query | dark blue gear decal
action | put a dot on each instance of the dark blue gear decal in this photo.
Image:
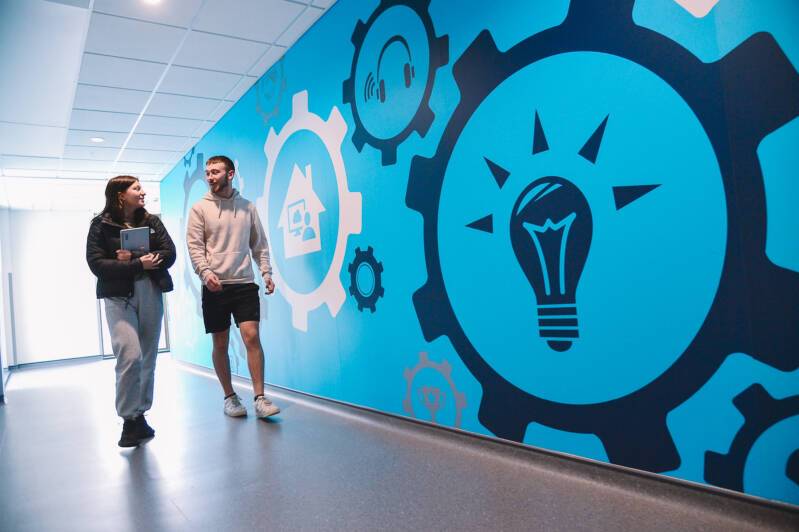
(745, 93)
(423, 117)
(761, 411)
(366, 296)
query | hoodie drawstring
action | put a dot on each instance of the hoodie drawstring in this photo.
(218, 201)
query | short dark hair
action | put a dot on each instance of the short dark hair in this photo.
(222, 159)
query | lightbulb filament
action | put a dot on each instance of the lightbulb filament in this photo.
(535, 232)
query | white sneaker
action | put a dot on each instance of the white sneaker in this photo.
(233, 406)
(264, 407)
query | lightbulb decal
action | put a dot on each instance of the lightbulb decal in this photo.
(550, 231)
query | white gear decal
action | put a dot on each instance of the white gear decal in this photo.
(332, 133)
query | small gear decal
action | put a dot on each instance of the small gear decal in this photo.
(431, 397)
(331, 132)
(585, 128)
(269, 91)
(396, 57)
(761, 412)
(366, 279)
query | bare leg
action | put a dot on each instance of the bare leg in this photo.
(255, 354)
(221, 360)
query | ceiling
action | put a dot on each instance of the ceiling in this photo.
(147, 77)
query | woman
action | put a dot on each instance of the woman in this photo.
(131, 283)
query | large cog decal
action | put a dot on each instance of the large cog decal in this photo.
(331, 132)
(361, 88)
(761, 412)
(432, 396)
(744, 92)
(366, 296)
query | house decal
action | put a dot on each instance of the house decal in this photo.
(299, 217)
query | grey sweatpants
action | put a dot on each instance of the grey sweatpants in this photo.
(135, 326)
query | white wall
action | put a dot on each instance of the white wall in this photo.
(5, 327)
(55, 310)
(44, 248)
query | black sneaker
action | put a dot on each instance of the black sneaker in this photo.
(143, 430)
(128, 438)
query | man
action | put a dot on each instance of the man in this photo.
(223, 227)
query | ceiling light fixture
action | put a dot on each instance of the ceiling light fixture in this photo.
(152, 2)
(97, 139)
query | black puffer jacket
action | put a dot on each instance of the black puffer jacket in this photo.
(115, 277)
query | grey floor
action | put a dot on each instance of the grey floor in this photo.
(317, 466)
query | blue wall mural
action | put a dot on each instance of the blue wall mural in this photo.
(568, 223)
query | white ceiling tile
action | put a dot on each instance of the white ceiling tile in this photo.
(220, 111)
(30, 163)
(159, 142)
(23, 172)
(202, 129)
(195, 82)
(149, 156)
(91, 152)
(269, 58)
(85, 174)
(137, 168)
(110, 99)
(129, 155)
(241, 88)
(81, 137)
(167, 126)
(102, 120)
(259, 20)
(181, 106)
(319, 3)
(300, 26)
(217, 52)
(173, 12)
(123, 73)
(133, 39)
(82, 165)
(23, 139)
(40, 54)
(76, 3)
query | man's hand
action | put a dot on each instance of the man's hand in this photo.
(123, 254)
(151, 261)
(213, 283)
(270, 285)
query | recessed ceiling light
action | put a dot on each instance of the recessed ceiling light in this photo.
(97, 139)
(153, 2)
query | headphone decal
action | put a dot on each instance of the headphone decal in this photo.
(408, 72)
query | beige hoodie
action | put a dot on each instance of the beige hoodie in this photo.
(220, 234)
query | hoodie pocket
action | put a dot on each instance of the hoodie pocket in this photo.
(229, 266)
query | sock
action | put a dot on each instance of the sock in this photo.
(231, 395)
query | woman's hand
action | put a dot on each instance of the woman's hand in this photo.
(151, 261)
(123, 254)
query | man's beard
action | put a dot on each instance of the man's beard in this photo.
(220, 185)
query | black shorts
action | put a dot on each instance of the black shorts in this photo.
(241, 300)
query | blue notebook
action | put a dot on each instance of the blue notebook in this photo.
(137, 239)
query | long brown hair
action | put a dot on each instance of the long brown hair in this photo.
(113, 205)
